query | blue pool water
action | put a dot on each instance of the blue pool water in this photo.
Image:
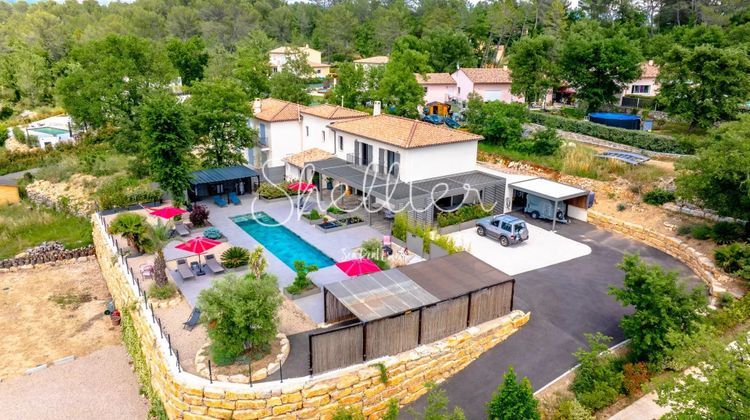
(280, 241)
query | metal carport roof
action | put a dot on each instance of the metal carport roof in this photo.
(550, 190)
(229, 173)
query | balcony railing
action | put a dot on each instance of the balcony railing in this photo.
(380, 168)
(262, 141)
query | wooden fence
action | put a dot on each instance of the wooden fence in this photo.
(361, 341)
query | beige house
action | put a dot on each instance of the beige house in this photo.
(370, 62)
(278, 58)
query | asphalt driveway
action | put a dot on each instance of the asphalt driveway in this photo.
(566, 300)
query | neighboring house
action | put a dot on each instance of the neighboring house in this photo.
(51, 131)
(490, 84)
(646, 85)
(278, 58)
(438, 87)
(279, 134)
(370, 62)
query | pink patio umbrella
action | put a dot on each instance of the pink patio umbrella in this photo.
(198, 246)
(167, 212)
(301, 186)
(358, 267)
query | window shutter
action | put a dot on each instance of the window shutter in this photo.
(356, 152)
(381, 161)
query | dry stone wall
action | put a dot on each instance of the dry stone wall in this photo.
(716, 280)
(187, 396)
(53, 257)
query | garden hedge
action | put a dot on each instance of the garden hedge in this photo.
(639, 139)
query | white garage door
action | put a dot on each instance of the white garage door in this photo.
(491, 95)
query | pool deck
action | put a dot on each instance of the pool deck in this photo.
(337, 245)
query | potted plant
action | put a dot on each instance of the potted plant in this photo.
(212, 233)
(235, 257)
(302, 286)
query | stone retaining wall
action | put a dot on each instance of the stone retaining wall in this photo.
(49, 258)
(187, 396)
(703, 267)
(583, 138)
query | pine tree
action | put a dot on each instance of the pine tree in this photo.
(513, 400)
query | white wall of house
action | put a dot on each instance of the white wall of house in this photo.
(439, 93)
(417, 163)
(283, 138)
(637, 87)
(316, 134)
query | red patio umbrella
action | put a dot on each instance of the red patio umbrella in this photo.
(301, 186)
(358, 267)
(198, 246)
(167, 212)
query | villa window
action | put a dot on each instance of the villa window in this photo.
(341, 143)
(640, 89)
(459, 90)
(307, 131)
(324, 135)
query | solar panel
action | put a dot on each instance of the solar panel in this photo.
(627, 157)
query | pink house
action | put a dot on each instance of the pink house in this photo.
(646, 85)
(438, 87)
(491, 84)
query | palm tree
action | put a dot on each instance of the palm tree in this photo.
(157, 238)
(132, 227)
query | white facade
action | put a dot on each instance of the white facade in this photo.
(415, 164)
(276, 140)
(316, 134)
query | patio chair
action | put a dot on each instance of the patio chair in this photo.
(184, 269)
(147, 271)
(195, 316)
(219, 201)
(387, 245)
(213, 264)
(234, 199)
(181, 229)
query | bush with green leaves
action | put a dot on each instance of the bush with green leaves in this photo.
(301, 280)
(133, 227)
(635, 138)
(658, 196)
(123, 191)
(373, 249)
(314, 215)
(571, 409)
(462, 214)
(734, 259)
(199, 216)
(235, 257)
(239, 311)
(727, 232)
(541, 143)
(157, 291)
(665, 311)
(598, 380)
(212, 233)
(270, 191)
(513, 400)
(437, 406)
(333, 209)
(700, 231)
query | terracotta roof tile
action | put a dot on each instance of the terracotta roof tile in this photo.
(273, 110)
(333, 112)
(310, 155)
(488, 76)
(435, 79)
(378, 59)
(649, 70)
(403, 132)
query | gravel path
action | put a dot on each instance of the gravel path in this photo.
(101, 385)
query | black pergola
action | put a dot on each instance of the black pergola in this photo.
(218, 181)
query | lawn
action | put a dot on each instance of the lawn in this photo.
(23, 226)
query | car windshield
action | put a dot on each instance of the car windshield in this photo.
(518, 227)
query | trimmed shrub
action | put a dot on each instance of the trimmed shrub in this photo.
(335, 210)
(161, 292)
(301, 281)
(235, 257)
(658, 196)
(212, 233)
(313, 215)
(462, 214)
(199, 215)
(734, 259)
(635, 138)
(270, 191)
(727, 232)
(700, 231)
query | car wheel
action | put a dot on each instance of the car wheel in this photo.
(534, 214)
(504, 241)
(480, 231)
(560, 215)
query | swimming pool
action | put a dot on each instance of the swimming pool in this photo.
(280, 241)
(50, 130)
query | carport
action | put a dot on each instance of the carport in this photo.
(217, 181)
(550, 190)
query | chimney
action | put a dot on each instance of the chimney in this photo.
(376, 108)
(256, 106)
(505, 68)
(650, 62)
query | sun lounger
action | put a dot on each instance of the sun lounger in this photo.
(181, 229)
(184, 269)
(213, 265)
(234, 199)
(195, 317)
(219, 201)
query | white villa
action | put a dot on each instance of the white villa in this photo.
(278, 58)
(389, 160)
(646, 85)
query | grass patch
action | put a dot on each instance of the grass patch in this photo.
(70, 299)
(23, 226)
